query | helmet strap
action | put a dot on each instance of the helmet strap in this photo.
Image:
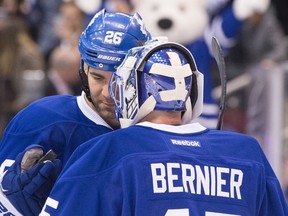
(84, 81)
(187, 115)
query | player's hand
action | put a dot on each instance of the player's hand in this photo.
(28, 182)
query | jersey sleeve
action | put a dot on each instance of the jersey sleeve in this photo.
(6, 208)
(273, 201)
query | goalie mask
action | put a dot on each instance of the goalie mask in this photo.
(158, 76)
(107, 39)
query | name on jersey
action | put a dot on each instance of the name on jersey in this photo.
(196, 179)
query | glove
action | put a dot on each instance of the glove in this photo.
(28, 182)
(245, 8)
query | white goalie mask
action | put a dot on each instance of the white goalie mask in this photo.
(160, 75)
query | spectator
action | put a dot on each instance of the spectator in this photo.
(69, 24)
(18, 54)
(41, 20)
(261, 47)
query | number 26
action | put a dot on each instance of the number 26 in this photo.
(113, 37)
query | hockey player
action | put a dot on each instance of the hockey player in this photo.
(62, 123)
(162, 165)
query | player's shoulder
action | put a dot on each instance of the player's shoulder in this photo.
(117, 142)
(53, 101)
(45, 111)
(231, 135)
(126, 136)
(49, 105)
(234, 143)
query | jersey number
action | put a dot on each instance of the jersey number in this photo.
(113, 37)
(177, 212)
(185, 212)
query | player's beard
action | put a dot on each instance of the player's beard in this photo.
(107, 112)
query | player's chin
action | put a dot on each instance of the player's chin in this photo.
(110, 118)
(108, 113)
(108, 106)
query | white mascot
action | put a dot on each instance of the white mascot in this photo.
(193, 23)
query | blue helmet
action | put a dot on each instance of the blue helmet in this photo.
(107, 39)
(160, 75)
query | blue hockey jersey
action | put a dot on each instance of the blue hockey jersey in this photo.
(151, 169)
(59, 122)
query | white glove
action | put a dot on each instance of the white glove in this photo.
(245, 8)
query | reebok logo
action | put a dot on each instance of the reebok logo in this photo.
(192, 143)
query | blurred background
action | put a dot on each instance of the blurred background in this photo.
(39, 57)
